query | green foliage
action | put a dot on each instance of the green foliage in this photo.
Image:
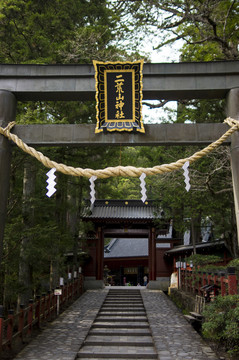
(211, 33)
(199, 260)
(50, 32)
(201, 111)
(208, 29)
(40, 31)
(234, 263)
(221, 322)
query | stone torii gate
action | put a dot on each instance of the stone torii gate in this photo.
(76, 82)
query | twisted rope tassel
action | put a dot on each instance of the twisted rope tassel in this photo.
(125, 171)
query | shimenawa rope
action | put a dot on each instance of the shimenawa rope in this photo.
(125, 171)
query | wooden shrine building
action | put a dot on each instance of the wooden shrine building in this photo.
(117, 221)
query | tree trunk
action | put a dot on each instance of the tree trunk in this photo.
(25, 276)
(7, 114)
(195, 231)
(60, 214)
(74, 198)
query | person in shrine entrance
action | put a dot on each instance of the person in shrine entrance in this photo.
(145, 280)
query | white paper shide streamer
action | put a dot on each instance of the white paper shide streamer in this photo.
(51, 182)
(186, 175)
(143, 187)
(92, 188)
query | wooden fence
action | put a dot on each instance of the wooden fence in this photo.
(19, 326)
(208, 284)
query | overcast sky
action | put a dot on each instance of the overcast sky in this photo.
(168, 54)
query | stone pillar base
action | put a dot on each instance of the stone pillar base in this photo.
(162, 283)
(90, 283)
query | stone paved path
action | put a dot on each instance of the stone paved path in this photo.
(123, 313)
(63, 337)
(174, 337)
(84, 330)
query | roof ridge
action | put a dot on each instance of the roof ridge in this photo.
(111, 244)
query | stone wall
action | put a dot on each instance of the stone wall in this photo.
(184, 301)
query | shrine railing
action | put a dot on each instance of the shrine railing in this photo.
(208, 284)
(19, 326)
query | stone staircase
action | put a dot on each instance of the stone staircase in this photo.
(120, 330)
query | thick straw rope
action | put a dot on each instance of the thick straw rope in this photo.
(126, 171)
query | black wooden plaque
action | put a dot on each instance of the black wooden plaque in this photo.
(119, 96)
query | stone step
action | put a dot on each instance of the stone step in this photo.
(125, 294)
(196, 315)
(120, 332)
(117, 339)
(129, 304)
(116, 331)
(124, 301)
(123, 308)
(124, 291)
(118, 307)
(113, 341)
(115, 306)
(114, 319)
(127, 297)
(130, 312)
(190, 319)
(122, 304)
(120, 325)
(129, 294)
(132, 303)
(118, 302)
(118, 296)
(121, 313)
(115, 356)
(109, 358)
(118, 352)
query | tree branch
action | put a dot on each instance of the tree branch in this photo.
(227, 16)
(155, 106)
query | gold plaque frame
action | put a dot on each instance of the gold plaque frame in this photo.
(122, 79)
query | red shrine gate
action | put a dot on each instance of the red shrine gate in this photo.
(130, 219)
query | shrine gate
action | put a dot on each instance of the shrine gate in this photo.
(207, 80)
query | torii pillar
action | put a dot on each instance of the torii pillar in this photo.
(7, 114)
(233, 112)
(152, 254)
(99, 254)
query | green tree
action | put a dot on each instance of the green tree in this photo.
(40, 31)
(208, 28)
(208, 31)
(49, 32)
(221, 322)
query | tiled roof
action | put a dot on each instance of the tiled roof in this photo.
(124, 209)
(182, 248)
(126, 247)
